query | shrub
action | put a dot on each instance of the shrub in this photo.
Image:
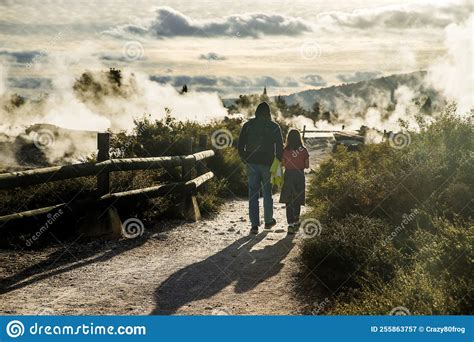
(397, 223)
(435, 279)
(413, 289)
(349, 249)
(435, 172)
(164, 137)
(148, 139)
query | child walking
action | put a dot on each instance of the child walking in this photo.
(295, 160)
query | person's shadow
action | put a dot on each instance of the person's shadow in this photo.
(236, 263)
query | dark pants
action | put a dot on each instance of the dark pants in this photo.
(293, 212)
(259, 179)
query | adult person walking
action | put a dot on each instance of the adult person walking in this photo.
(260, 141)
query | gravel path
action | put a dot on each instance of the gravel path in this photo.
(209, 267)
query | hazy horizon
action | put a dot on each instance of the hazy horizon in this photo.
(227, 47)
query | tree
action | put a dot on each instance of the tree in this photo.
(326, 116)
(264, 96)
(296, 110)
(115, 76)
(316, 111)
(280, 103)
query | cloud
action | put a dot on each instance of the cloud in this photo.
(178, 81)
(358, 76)
(114, 58)
(119, 57)
(225, 81)
(212, 56)
(314, 80)
(172, 23)
(22, 57)
(421, 15)
(29, 82)
(226, 84)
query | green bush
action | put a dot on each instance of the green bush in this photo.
(397, 223)
(148, 139)
(164, 137)
(349, 249)
(435, 172)
(413, 289)
(435, 279)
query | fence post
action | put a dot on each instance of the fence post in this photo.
(201, 167)
(103, 179)
(99, 221)
(304, 130)
(186, 170)
(189, 206)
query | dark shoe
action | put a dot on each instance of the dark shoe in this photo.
(270, 224)
(292, 229)
(254, 230)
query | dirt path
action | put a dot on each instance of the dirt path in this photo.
(208, 267)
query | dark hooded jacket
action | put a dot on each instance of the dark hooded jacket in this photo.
(260, 139)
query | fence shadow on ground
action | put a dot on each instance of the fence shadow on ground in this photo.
(64, 260)
(237, 263)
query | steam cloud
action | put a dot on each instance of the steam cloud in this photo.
(63, 107)
(453, 74)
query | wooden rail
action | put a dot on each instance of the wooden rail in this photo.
(102, 169)
(138, 194)
(320, 130)
(56, 173)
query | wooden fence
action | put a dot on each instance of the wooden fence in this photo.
(101, 169)
(305, 131)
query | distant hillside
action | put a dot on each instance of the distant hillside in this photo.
(357, 97)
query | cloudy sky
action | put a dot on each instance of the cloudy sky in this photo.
(227, 46)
